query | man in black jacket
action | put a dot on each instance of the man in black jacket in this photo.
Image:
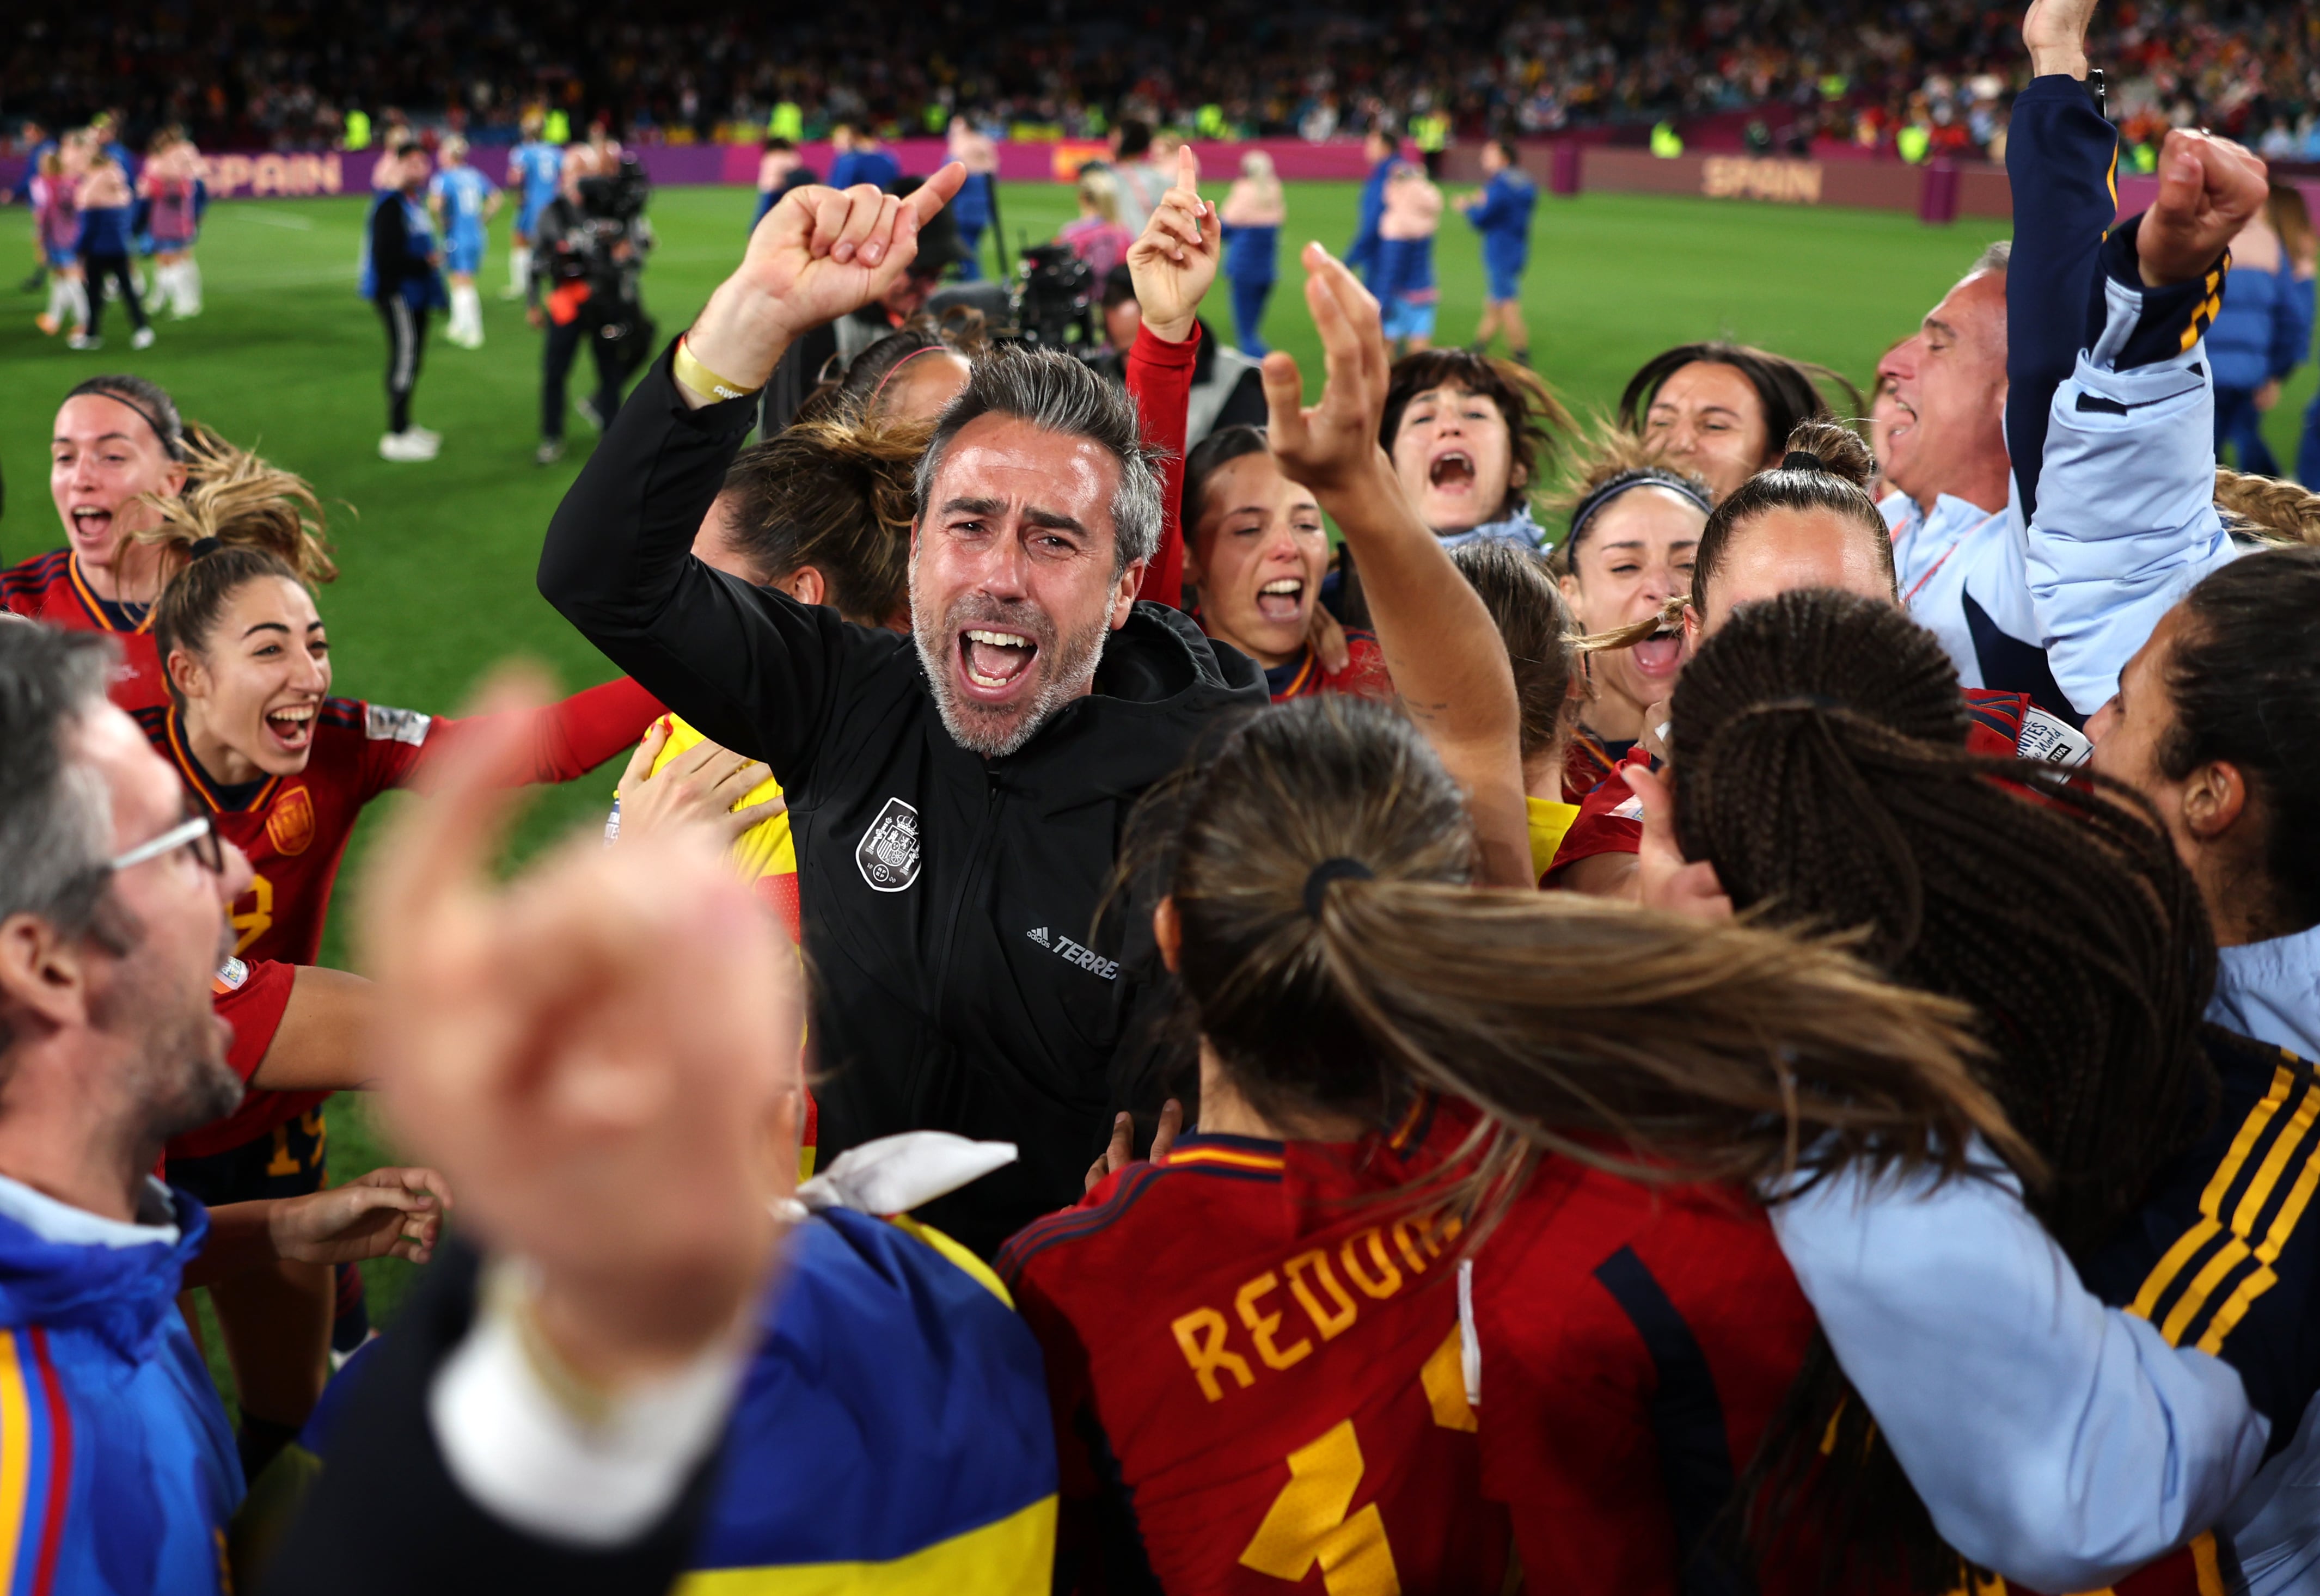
(957, 797)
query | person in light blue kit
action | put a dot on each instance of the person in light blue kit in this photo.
(2055, 1440)
(463, 202)
(1501, 213)
(1382, 150)
(2261, 335)
(535, 168)
(1252, 214)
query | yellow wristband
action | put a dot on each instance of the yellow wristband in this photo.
(698, 377)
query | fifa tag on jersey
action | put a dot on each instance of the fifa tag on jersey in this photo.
(2052, 739)
(888, 853)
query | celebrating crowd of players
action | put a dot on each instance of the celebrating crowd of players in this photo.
(1764, 1046)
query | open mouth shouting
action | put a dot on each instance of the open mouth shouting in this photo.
(1658, 656)
(290, 727)
(994, 660)
(92, 527)
(1451, 472)
(1281, 599)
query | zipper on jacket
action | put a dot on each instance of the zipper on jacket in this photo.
(948, 949)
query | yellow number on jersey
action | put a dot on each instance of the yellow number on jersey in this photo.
(257, 919)
(1307, 1523)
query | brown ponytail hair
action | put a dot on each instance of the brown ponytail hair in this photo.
(1819, 739)
(1826, 467)
(242, 502)
(1653, 1046)
(836, 494)
(188, 609)
(1519, 588)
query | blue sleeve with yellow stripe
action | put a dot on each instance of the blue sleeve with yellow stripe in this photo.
(2224, 1256)
(2062, 160)
(892, 1434)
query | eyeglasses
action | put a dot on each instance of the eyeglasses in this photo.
(197, 832)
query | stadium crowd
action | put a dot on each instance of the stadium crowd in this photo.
(1762, 1043)
(244, 76)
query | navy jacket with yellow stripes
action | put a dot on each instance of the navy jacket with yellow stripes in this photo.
(2225, 1257)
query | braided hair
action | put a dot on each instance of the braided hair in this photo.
(2267, 508)
(1820, 741)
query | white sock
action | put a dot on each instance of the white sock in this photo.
(189, 286)
(467, 309)
(519, 272)
(76, 297)
(165, 282)
(56, 301)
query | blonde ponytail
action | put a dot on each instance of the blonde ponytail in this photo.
(243, 502)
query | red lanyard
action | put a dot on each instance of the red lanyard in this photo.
(1935, 570)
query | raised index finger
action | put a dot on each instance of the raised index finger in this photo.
(1188, 171)
(936, 191)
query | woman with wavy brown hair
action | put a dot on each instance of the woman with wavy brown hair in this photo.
(1451, 1144)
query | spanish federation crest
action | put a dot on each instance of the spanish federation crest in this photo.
(888, 854)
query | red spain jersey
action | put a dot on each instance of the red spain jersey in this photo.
(1255, 1372)
(1630, 1346)
(1365, 675)
(252, 998)
(52, 590)
(294, 828)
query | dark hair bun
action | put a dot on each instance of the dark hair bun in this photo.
(1840, 452)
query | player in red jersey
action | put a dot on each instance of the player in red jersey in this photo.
(1254, 1340)
(1247, 539)
(120, 460)
(1635, 525)
(286, 769)
(1785, 529)
(285, 766)
(1255, 552)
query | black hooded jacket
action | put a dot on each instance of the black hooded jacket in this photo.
(948, 901)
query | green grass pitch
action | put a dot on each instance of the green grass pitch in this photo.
(438, 559)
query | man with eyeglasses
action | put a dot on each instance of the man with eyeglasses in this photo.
(562, 1424)
(112, 918)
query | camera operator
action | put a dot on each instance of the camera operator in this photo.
(828, 350)
(590, 252)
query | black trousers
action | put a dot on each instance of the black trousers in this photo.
(556, 358)
(98, 267)
(406, 342)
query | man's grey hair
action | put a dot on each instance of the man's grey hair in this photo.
(1054, 392)
(1996, 258)
(56, 814)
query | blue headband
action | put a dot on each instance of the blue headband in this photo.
(1647, 476)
